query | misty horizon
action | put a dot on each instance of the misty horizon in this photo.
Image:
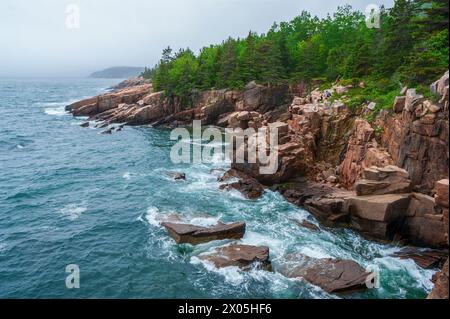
(38, 43)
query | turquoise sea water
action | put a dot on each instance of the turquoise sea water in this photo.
(69, 195)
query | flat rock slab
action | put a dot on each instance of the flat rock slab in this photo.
(192, 234)
(243, 256)
(424, 258)
(382, 208)
(332, 275)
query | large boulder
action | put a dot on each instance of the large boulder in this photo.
(243, 256)
(441, 196)
(377, 216)
(332, 275)
(383, 180)
(426, 230)
(192, 234)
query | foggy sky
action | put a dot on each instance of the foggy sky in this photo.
(34, 39)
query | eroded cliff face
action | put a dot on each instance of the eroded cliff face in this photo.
(417, 135)
(391, 186)
(324, 143)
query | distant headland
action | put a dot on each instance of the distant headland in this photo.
(118, 72)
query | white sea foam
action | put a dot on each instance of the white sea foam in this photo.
(232, 275)
(422, 277)
(204, 221)
(3, 247)
(55, 111)
(20, 146)
(153, 216)
(126, 176)
(72, 211)
(314, 251)
(277, 246)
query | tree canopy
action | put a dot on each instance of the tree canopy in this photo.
(410, 47)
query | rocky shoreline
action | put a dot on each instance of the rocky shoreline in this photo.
(386, 179)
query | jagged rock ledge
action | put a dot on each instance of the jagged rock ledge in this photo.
(328, 155)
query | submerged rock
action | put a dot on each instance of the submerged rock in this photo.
(243, 256)
(108, 131)
(332, 275)
(177, 176)
(306, 224)
(192, 234)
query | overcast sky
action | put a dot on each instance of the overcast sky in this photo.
(35, 39)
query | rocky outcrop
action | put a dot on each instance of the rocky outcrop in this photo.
(411, 217)
(263, 98)
(290, 161)
(192, 234)
(362, 152)
(245, 184)
(135, 81)
(332, 275)
(441, 283)
(243, 256)
(417, 136)
(109, 101)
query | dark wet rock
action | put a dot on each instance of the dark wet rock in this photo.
(306, 224)
(425, 258)
(108, 131)
(243, 256)
(247, 185)
(177, 176)
(84, 124)
(101, 125)
(192, 234)
(441, 283)
(332, 275)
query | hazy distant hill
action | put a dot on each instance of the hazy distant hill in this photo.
(118, 72)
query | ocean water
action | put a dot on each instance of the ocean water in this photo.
(69, 195)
